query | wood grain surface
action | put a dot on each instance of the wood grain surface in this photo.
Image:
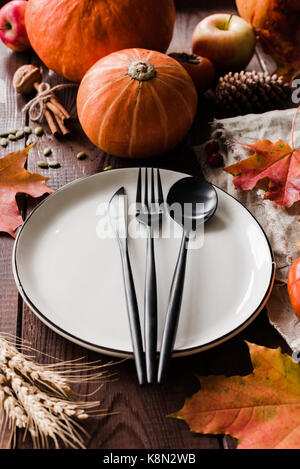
(139, 415)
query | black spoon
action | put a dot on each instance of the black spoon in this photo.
(191, 202)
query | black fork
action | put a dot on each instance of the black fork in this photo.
(151, 217)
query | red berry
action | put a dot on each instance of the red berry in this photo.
(215, 160)
(212, 147)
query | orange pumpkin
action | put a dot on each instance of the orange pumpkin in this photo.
(136, 103)
(69, 36)
(294, 286)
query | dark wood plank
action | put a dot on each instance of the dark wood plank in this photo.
(10, 117)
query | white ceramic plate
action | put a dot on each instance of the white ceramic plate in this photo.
(72, 279)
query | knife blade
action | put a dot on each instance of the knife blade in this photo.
(117, 210)
(118, 213)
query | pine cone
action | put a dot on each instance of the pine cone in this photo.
(251, 92)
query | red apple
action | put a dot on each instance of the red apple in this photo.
(12, 25)
(227, 40)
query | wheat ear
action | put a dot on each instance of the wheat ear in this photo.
(36, 398)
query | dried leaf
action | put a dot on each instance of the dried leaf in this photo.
(284, 49)
(277, 163)
(261, 410)
(14, 178)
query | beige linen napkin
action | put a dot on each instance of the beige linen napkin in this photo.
(280, 225)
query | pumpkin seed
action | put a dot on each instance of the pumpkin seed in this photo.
(47, 151)
(81, 155)
(38, 131)
(28, 142)
(27, 130)
(12, 131)
(3, 142)
(20, 134)
(54, 164)
(3, 134)
(43, 164)
(12, 137)
(107, 168)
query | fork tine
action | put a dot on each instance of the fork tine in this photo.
(159, 188)
(146, 189)
(138, 199)
(152, 187)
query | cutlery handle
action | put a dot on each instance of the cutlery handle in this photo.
(150, 310)
(173, 311)
(133, 316)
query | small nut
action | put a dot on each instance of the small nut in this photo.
(47, 151)
(27, 130)
(20, 134)
(43, 164)
(54, 164)
(25, 77)
(81, 155)
(39, 131)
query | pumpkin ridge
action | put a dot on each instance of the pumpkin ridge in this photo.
(109, 83)
(183, 80)
(96, 72)
(149, 55)
(137, 54)
(133, 121)
(108, 110)
(123, 56)
(181, 97)
(162, 113)
(170, 65)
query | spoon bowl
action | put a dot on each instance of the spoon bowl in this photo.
(192, 201)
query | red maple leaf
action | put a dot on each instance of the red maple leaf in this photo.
(14, 178)
(277, 163)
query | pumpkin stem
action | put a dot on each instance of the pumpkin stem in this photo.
(141, 70)
(184, 57)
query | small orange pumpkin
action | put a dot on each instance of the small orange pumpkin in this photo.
(69, 36)
(136, 103)
(293, 285)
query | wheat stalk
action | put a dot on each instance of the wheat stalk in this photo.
(36, 398)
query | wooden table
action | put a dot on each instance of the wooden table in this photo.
(140, 413)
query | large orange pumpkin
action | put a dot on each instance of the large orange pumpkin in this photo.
(136, 103)
(69, 36)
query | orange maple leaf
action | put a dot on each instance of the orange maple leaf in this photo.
(261, 410)
(14, 178)
(278, 163)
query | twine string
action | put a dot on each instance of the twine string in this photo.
(37, 105)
